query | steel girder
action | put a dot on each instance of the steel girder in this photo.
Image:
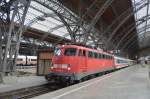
(131, 27)
(131, 41)
(11, 35)
(126, 15)
(144, 39)
(33, 45)
(76, 30)
(98, 16)
(66, 16)
(147, 10)
(140, 36)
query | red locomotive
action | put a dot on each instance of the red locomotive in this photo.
(71, 63)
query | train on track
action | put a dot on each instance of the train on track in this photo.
(71, 63)
(26, 60)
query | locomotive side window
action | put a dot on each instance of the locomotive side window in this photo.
(103, 56)
(95, 55)
(70, 52)
(84, 53)
(90, 54)
(111, 57)
(100, 56)
(107, 56)
(80, 53)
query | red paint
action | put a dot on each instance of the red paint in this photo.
(79, 64)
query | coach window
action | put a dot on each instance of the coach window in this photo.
(70, 51)
(33, 60)
(19, 59)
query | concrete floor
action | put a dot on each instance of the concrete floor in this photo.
(14, 83)
(129, 83)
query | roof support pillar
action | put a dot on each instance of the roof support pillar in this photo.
(13, 35)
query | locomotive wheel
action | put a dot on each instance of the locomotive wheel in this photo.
(77, 81)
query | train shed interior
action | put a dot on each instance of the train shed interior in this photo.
(32, 30)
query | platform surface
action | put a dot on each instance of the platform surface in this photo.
(129, 83)
(14, 83)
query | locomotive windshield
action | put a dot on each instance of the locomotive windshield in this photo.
(57, 52)
(70, 52)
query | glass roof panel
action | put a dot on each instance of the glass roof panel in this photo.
(42, 18)
(143, 14)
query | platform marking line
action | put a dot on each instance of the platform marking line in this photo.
(74, 90)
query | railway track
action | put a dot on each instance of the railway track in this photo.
(30, 92)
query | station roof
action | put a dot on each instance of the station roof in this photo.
(112, 13)
(38, 34)
(121, 21)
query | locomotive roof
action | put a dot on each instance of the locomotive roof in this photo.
(85, 48)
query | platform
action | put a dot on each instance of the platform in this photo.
(14, 83)
(129, 83)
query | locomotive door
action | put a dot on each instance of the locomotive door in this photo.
(83, 60)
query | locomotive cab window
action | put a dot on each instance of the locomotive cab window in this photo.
(70, 51)
(57, 52)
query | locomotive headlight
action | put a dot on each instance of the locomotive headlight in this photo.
(52, 67)
(69, 68)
